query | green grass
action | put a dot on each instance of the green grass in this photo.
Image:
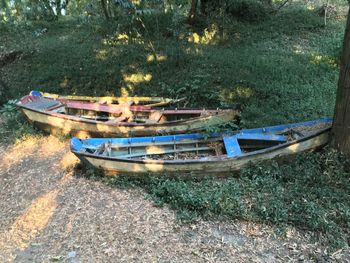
(282, 69)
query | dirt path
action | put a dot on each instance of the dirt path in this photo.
(47, 214)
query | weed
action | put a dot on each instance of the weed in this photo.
(14, 127)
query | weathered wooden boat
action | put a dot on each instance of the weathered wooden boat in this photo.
(88, 119)
(147, 101)
(200, 153)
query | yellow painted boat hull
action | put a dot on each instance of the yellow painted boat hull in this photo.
(60, 124)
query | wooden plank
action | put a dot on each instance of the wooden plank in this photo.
(261, 136)
(160, 151)
(55, 107)
(187, 111)
(118, 119)
(134, 145)
(116, 109)
(149, 101)
(42, 103)
(232, 146)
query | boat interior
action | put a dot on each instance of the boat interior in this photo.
(116, 113)
(200, 146)
(230, 146)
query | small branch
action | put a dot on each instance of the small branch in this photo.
(282, 5)
(325, 13)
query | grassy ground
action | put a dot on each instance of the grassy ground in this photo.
(282, 69)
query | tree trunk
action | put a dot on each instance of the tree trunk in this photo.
(193, 11)
(341, 122)
(105, 8)
(204, 6)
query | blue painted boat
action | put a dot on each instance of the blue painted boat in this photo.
(201, 153)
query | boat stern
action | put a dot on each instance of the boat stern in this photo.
(76, 144)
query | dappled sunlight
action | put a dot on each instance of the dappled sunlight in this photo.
(131, 80)
(125, 92)
(209, 36)
(157, 57)
(64, 83)
(30, 224)
(122, 39)
(194, 51)
(115, 167)
(311, 6)
(294, 148)
(41, 147)
(297, 49)
(319, 59)
(137, 78)
(105, 53)
(155, 149)
(102, 54)
(69, 160)
(116, 39)
(236, 94)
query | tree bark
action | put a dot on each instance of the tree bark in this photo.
(204, 6)
(193, 11)
(105, 8)
(341, 122)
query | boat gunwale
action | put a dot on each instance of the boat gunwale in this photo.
(203, 160)
(158, 101)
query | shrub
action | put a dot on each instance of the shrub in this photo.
(248, 10)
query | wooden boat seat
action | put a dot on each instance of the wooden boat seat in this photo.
(43, 104)
(154, 117)
(233, 148)
(115, 109)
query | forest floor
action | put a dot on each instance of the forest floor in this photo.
(51, 213)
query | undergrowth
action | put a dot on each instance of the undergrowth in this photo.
(282, 69)
(13, 125)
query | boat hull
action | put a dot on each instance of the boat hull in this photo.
(203, 167)
(59, 124)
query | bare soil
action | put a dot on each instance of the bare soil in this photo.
(49, 214)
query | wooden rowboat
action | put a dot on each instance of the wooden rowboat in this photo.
(88, 119)
(199, 153)
(148, 101)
